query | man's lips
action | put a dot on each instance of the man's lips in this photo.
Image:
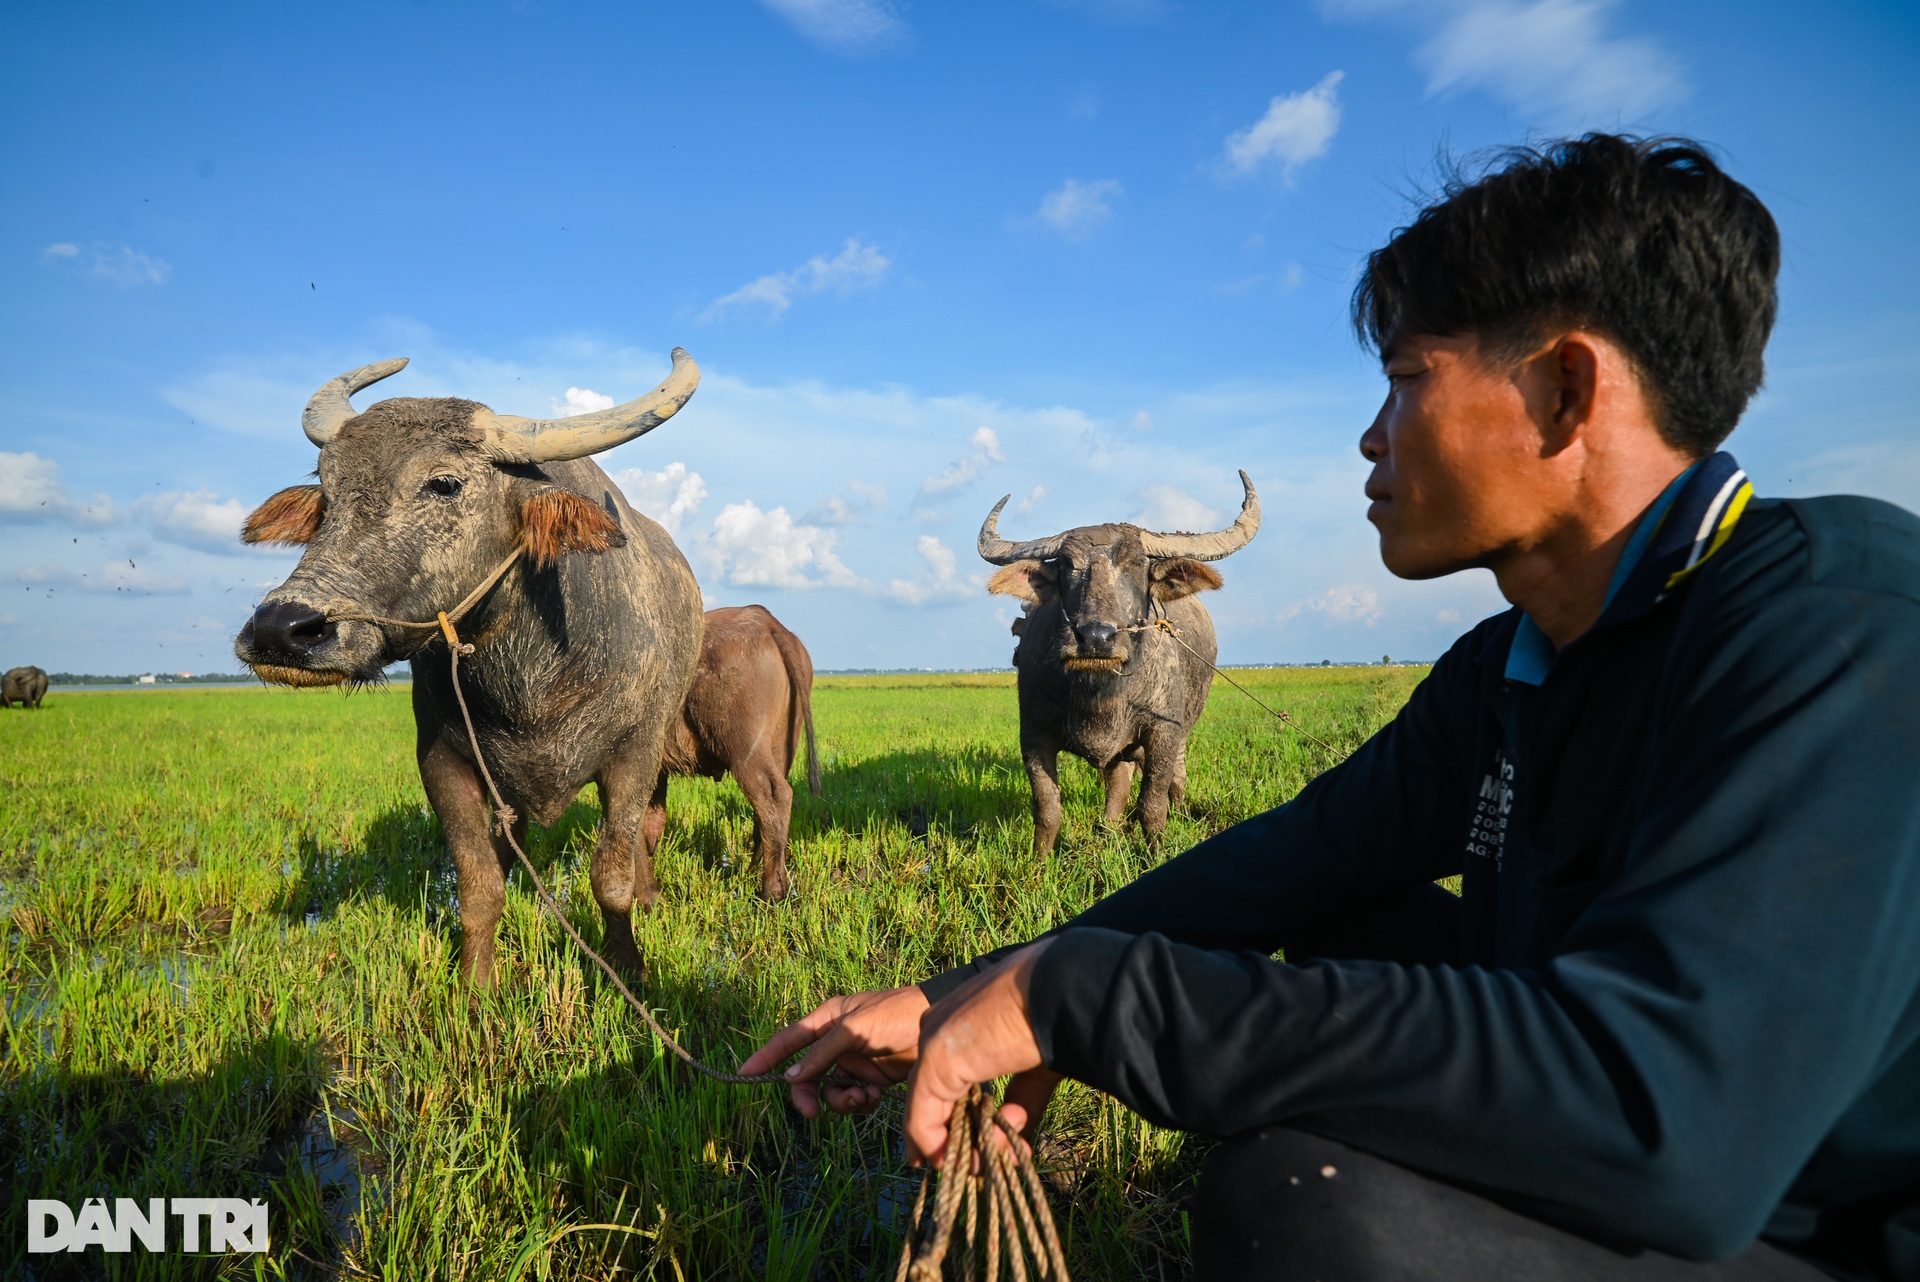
(1380, 499)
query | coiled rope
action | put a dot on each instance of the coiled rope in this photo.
(977, 1171)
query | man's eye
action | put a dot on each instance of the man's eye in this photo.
(444, 486)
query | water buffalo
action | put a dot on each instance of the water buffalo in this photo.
(752, 695)
(583, 651)
(26, 686)
(1096, 676)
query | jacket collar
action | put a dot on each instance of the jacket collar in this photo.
(1690, 521)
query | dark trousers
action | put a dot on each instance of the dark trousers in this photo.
(1280, 1205)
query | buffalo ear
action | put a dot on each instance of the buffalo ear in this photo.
(1030, 581)
(554, 522)
(291, 516)
(1178, 577)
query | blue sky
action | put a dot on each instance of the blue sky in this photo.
(1095, 254)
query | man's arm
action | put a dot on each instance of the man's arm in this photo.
(1393, 814)
(1708, 1020)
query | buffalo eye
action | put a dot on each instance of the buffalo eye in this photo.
(444, 486)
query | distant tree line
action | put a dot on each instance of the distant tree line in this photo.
(159, 679)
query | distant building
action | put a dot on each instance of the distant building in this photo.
(184, 676)
(146, 680)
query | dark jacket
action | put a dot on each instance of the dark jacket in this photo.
(1687, 1009)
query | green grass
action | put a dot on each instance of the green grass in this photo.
(228, 943)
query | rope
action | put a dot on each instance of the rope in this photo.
(456, 614)
(977, 1171)
(1003, 1176)
(1164, 624)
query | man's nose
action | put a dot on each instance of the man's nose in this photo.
(1373, 442)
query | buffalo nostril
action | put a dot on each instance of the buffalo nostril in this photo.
(1096, 634)
(289, 629)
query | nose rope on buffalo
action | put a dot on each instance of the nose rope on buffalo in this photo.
(990, 1179)
(1160, 623)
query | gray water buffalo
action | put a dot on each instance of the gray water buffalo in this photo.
(1097, 676)
(752, 696)
(26, 686)
(583, 652)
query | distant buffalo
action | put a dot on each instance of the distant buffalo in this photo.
(1097, 676)
(752, 696)
(583, 652)
(26, 686)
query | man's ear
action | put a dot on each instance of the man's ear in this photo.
(1572, 374)
(1031, 581)
(554, 522)
(1178, 577)
(291, 516)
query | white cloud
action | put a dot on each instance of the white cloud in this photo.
(1297, 127)
(671, 496)
(124, 265)
(30, 490)
(837, 509)
(1348, 603)
(1550, 58)
(581, 400)
(751, 548)
(857, 266)
(1031, 503)
(984, 450)
(843, 26)
(195, 518)
(244, 402)
(115, 576)
(941, 581)
(1170, 510)
(1075, 208)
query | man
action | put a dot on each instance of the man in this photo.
(1676, 1008)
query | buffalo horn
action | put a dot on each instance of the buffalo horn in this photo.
(329, 409)
(1208, 547)
(998, 551)
(509, 438)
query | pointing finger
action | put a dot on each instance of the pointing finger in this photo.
(802, 1032)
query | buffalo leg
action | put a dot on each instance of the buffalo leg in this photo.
(1119, 779)
(1157, 779)
(771, 797)
(1177, 790)
(453, 789)
(1043, 772)
(622, 871)
(655, 826)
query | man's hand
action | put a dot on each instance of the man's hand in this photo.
(979, 1033)
(874, 1037)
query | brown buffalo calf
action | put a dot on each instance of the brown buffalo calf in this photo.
(752, 694)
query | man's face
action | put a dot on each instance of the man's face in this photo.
(1457, 459)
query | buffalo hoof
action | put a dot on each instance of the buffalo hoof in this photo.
(625, 960)
(775, 888)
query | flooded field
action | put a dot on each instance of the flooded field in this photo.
(228, 936)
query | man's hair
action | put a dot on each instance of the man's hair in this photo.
(1647, 242)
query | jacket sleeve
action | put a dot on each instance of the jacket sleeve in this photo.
(1392, 814)
(1708, 1019)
